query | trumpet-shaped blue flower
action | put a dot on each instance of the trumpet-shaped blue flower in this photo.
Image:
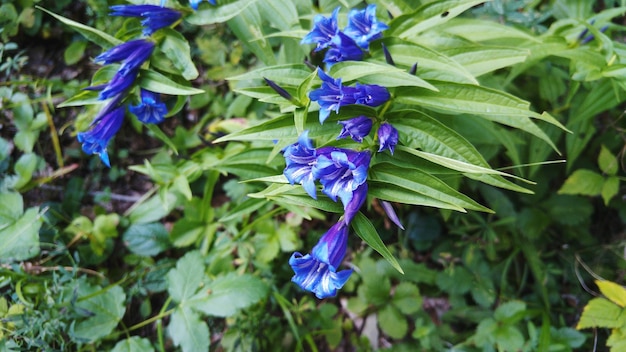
(371, 94)
(352, 207)
(194, 3)
(300, 159)
(154, 17)
(317, 272)
(363, 26)
(151, 109)
(324, 30)
(127, 51)
(356, 128)
(341, 171)
(102, 129)
(342, 48)
(331, 95)
(387, 137)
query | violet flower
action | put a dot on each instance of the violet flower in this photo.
(356, 128)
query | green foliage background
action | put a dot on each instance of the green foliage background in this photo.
(507, 180)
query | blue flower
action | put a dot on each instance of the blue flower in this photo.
(331, 95)
(391, 213)
(363, 26)
(300, 158)
(151, 109)
(324, 30)
(341, 171)
(194, 3)
(356, 128)
(154, 17)
(342, 48)
(371, 94)
(352, 207)
(387, 137)
(317, 272)
(102, 129)
(125, 51)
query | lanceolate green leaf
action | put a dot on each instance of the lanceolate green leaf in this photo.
(416, 181)
(430, 15)
(292, 74)
(482, 59)
(364, 229)
(282, 14)
(100, 38)
(177, 49)
(381, 74)
(248, 27)
(393, 193)
(478, 30)
(158, 83)
(218, 14)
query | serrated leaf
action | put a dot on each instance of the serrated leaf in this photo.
(11, 208)
(364, 229)
(608, 162)
(225, 295)
(614, 292)
(96, 36)
(184, 280)
(188, 331)
(133, 344)
(583, 182)
(147, 239)
(177, 49)
(392, 322)
(407, 298)
(610, 188)
(510, 312)
(106, 308)
(20, 240)
(601, 313)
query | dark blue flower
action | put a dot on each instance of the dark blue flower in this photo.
(118, 84)
(391, 213)
(371, 94)
(363, 26)
(317, 272)
(154, 17)
(341, 171)
(124, 51)
(280, 90)
(102, 129)
(342, 48)
(356, 128)
(331, 95)
(151, 109)
(194, 3)
(324, 30)
(300, 158)
(352, 207)
(387, 137)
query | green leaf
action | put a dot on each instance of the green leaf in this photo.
(147, 239)
(133, 344)
(282, 14)
(392, 322)
(614, 292)
(25, 168)
(601, 313)
(407, 298)
(381, 74)
(11, 208)
(510, 312)
(74, 52)
(185, 279)
(608, 162)
(428, 16)
(248, 27)
(610, 188)
(509, 338)
(20, 240)
(218, 14)
(100, 38)
(158, 83)
(177, 49)
(364, 229)
(478, 30)
(106, 308)
(291, 74)
(154, 208)
(583, 182)
(225, 295)
(479, 60)
(188, 331)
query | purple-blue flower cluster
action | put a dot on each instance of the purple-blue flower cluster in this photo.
(349, 44)
(130, 56)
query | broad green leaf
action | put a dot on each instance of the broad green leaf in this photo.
(218, 14)
(225, 295)
(479, 60)
(74, 52)
(20, 240)
(431, 65)
(601, 313)
(413, 180)
(154, 208)
(188, 331)
(614, 292)
(393, 193)
(177, 49)
(392, 322)
(281, 14)
(510, 312)
(478, 30)
(381, 74)
(364, 229)
(584, 182)
(133, 344)
(185, 279)
(608, 162)
(105, 308)
(509, 338)
(429, 15)
(98, 37)
(146, 239)
(24, 169)
(610, 189)
(158, 83)
(407, 298)
(11, 208)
